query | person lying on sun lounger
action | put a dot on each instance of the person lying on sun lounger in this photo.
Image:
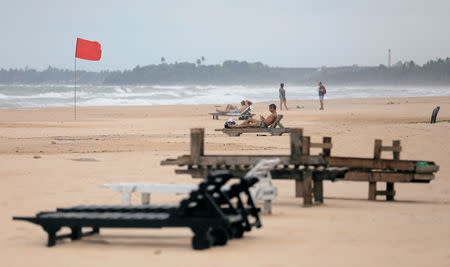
(235, 109)
(262, 123)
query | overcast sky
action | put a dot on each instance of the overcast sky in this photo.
(38, 33)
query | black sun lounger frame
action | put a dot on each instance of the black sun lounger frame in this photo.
(214, 215)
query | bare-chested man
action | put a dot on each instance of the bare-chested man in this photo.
(262, 123)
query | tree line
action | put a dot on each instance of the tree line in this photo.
(434, 72)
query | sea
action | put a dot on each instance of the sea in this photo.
(57, 95)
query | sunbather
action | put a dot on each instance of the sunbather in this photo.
(235, 109)
(262, 123)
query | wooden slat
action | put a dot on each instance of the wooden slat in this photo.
(180, 161)
(379, 177)
(253, 159)
(321, 145)
(277, 174)
(423, 177)
(366, 163)
(430, 168)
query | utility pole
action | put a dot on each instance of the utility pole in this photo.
(389, 58)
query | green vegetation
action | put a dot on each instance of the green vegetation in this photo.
(434, 72)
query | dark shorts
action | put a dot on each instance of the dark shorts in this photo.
(260, 124)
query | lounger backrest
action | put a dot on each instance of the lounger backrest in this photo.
(262, 169)
(240, 195)
(197, 202)
(211, 199)
(246, 110)
(276, 121)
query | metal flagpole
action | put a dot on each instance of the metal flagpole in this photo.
(75, 92)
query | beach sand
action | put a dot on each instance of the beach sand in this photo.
(48, 160)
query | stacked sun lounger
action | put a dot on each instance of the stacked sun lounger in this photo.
(214, 215)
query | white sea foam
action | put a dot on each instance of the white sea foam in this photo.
(97, 95)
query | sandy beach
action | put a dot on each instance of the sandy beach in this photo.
(48, 160)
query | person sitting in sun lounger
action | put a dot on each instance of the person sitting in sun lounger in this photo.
(235, 109)
(262, 123)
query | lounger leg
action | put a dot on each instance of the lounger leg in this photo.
(126, 198)
(267, 207)
(318, 191)
(95, 230)
(202, 238)
(51, 239)
(51, 232)
(298, 188)
(390, 192)
(145, 197)
(372, 190)
(298, 184)
(220, 236)
(307, 188)
(76, 233)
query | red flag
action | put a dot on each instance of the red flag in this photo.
(88, 50)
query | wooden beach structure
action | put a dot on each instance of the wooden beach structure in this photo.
(309, 171)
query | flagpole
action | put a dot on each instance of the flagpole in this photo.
(75, 92)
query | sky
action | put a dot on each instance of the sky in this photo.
(302, 33)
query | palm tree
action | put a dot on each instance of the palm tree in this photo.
(203, 59)
(199, 62)
(163, 60)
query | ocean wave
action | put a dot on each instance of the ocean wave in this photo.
(96, 95)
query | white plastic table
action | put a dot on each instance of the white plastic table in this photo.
(263, 190)
(148, 188)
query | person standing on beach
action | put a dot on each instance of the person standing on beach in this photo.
(322, 92)
(282, 96)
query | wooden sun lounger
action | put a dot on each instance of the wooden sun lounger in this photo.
(213, 214)
(309, 171)
(244, 115)
(276, 129)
